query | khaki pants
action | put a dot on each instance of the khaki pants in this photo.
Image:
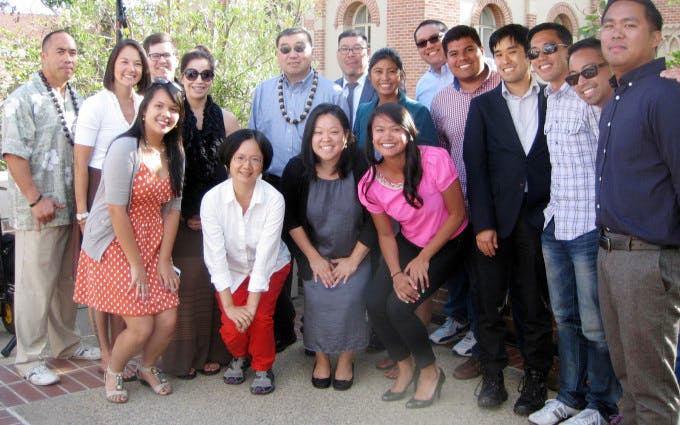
(43, 298)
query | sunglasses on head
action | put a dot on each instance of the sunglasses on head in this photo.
(192, 74)
(548, 49)
(299, 48)
(164, 82)
(590, 71)
(432, 40)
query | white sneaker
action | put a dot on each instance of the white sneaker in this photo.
(465, 346)
(447, 332)
(85, 352)
(41, 375)
(587, 417)
(552, 413)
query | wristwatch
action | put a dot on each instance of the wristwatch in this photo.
(82, 216)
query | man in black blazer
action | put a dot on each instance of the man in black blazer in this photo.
(353, 54)
(508, 168)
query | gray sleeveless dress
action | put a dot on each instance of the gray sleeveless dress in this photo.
(335, 318)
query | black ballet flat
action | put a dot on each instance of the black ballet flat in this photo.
(414, 403)
(342, 384)
(320, 383)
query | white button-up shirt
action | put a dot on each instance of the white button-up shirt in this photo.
(238, 245)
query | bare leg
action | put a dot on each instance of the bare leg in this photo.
(99, 323)
(343, 371)
(117, 325)
(128, 344)
(406, 368)
(427, 382)
(163, 329)
(322, 368)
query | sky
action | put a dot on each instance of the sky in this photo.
(29, 6)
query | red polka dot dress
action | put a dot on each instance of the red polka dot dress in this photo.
(104, 284)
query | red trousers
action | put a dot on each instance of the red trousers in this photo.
(258, 339)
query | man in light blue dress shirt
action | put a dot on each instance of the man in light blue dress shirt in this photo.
(428, 38)
(280, 108)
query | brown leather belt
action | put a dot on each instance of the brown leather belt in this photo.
(618, 242)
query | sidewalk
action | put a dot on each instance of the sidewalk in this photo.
(79, 398)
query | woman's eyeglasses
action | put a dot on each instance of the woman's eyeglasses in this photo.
(299, 48)
(548, 49)
(590, 71)
(192, 74)
(432, 40)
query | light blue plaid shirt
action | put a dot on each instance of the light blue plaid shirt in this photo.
(571, 129)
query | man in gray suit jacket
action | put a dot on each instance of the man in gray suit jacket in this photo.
(353, 54)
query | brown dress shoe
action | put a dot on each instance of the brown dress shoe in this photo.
(472, 368)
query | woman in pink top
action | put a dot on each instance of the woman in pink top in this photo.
(418, 187)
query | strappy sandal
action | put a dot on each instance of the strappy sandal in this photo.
(120, 391)
(163, 388)
(235, 373)
(263, 383)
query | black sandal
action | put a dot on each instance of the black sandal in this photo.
(189, 376)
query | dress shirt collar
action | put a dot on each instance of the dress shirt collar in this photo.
(456, 83)
(443, 71)
(534, 88)
(564, 88)
(361, 81)
(303, 82)
(650, 68)
(230, 196)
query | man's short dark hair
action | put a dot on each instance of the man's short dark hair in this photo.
(458, 32)
(586, 43)
(351, 33)
(562, 32)
(653, 15)
(50, 34)
(293, 31)
(516, 32)
(158, 38)
(442, 26)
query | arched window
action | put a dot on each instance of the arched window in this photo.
(361, 21)
(487, 25)
(563, 20)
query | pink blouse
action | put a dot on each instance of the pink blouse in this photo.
(418, 225)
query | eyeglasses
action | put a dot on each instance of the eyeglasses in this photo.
(192, 74)
(590, 71)
(432, 40)
(354, 49)
(299, 48)
(164, 82)
(548, 49)
(255, 161)
(157, 56)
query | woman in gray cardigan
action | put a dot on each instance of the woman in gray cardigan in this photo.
(125, 265)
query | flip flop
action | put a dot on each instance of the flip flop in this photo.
(189, 376)
(210, 372)
(392, 373)
(385, 364)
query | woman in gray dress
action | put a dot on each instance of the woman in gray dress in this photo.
(332, 235)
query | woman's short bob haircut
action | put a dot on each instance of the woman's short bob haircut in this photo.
(109, 76)
(236, 139)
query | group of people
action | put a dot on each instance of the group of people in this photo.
(557, 188)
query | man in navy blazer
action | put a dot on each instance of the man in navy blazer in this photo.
(353, 54)
(508, 169)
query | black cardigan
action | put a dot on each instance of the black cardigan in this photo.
(295, 188)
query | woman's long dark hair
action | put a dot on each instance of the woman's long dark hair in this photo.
(109, 77)
(413, 169)
(309, 158)
(173, 140)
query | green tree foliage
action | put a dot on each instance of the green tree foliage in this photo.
(240, 34)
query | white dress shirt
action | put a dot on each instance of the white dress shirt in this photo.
(524, 113)
(361, 82)
(238, 245)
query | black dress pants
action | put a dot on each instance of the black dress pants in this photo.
(394, 321)
(521, 254)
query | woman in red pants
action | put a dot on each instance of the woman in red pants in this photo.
(242, 219)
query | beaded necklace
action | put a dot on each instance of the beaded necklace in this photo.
(308, 105)
(57, 106)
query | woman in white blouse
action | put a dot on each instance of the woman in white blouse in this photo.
(242, 219)
(103, 117)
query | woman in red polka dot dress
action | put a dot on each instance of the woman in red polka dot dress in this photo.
(125, 265)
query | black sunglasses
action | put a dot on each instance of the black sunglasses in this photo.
(548, 49)
(432, 40)
(192, 74)
(287, 49)
(164, 82)
(590, 71)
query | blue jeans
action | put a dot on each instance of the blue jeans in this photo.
(677, 363)
(587, 378)
(460, 303)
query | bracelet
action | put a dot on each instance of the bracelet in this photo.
(396, 273)
(82, 216)
(34, 203)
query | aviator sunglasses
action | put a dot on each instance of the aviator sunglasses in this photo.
(590, 71)
(548, 49)
(432, 40)
(192, 74)
(299, 48)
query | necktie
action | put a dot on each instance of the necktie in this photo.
(350, 100)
